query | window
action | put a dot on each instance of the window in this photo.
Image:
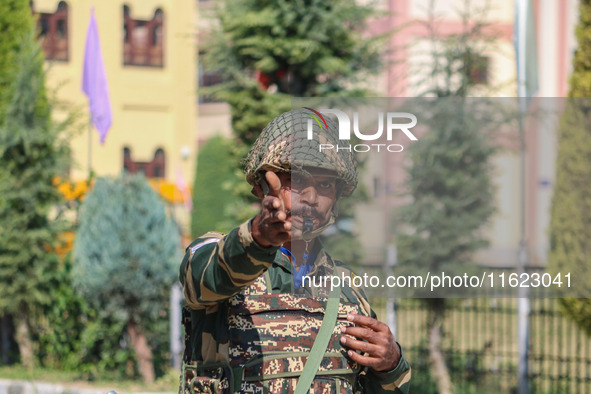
(143, 41)
(206, 79)
(53, 31)
(477, 67)
(152, 169)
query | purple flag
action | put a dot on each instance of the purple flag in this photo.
(94, 81)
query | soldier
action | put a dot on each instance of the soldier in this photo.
(252, 325)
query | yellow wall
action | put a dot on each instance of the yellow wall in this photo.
(152, 107)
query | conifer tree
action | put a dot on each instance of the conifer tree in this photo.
(271, 50)
(570, 228)
(449, 176)
(32, 155)
(16, 20)
(126, 258)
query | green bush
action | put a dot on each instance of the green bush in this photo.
(213, 193)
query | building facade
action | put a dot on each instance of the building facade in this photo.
(410, 48)
(149, 51)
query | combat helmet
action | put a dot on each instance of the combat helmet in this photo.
(284, 146)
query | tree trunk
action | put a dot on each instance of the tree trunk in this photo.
(142, 350)
(23, 339)
(5, 341)
(438, 366)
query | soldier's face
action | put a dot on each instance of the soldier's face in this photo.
(308, 199)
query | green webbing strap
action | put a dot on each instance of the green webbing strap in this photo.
(268, 283)
(321, 342)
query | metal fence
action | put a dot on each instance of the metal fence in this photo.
(480, 345)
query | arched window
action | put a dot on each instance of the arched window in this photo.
(53, 30)
(158, 164)
(207, 78)
(143, 40)
(151, 169)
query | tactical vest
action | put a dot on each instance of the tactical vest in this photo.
(271, 337)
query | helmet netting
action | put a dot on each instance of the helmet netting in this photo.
(284, 146)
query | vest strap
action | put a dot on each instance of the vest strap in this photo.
(321, 343)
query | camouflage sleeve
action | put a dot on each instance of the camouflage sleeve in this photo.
(394, 381)
(215, 266)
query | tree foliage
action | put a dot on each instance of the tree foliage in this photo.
(271, 50)
(580, 80)
(125, 258)
(570, 226)
(16, 20)
(32, 154)
(450, 181)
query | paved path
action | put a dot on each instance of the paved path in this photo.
(27, 387)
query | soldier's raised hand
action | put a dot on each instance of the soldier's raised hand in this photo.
(272, 225)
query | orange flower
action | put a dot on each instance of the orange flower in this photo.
(167, 190)
(65, 243)
(77, 190)
(72, 190)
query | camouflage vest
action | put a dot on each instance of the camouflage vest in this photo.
(270, 339)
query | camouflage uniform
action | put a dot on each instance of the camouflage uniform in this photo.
(218, 271)
(250, 329)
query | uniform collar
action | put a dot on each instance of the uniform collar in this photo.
(320, 261)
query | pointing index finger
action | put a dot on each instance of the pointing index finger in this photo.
(274, 183)
(274, 186)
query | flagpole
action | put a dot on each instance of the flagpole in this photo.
(523, 305)
(89, 148)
